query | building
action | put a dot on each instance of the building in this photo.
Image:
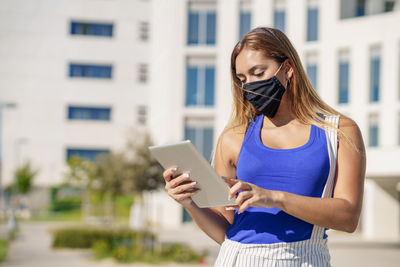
(78, 74)
(350, 49)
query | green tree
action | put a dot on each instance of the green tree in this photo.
(24, 176)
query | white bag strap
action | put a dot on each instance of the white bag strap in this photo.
(331, 141)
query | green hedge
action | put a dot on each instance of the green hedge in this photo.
(86, 237)
(66, 204)
(124, 245)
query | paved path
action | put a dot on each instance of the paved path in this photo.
(32, 248)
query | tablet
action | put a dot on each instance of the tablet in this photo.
(186, 158)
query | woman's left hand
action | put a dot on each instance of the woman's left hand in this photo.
(250, 196)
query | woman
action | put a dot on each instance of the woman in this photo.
(296, 165)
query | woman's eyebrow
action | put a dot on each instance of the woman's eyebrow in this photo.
(252, 69)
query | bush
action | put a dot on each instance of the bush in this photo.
(101, 249)
(86, 238)
(66, 204)
(124, 245)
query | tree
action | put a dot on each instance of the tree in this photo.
(24, 179)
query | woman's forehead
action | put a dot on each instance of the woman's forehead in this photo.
(247, 58)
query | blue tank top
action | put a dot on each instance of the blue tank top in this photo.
(302, 170)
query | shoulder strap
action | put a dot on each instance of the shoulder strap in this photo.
(331, 142)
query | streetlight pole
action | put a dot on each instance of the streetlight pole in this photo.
(3, 105)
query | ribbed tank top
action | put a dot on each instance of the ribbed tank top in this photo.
(302, 170)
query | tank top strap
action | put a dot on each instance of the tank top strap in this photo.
(331, 141)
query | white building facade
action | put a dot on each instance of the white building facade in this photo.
(350, 50)
(77, 71)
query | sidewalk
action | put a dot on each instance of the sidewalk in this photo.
(32, 248)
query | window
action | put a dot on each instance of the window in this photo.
(90, 28)
(89, 113)
(373, 131)
(90, 71)
(375, 69)
(142, 73)
(312, 69)
(200, 82)
(343, 79)
(143, 31)
(244, 18)
(200, 132)
(141, 115)
(312, 20)
(280, 15)
(202, 20)
(88, 154)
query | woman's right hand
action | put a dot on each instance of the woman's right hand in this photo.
(177, 187)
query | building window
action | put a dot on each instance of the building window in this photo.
(312, 69)
(142, 73)
(244, 18)
(280, 15)
(343, 79)
(89, 113)
(200, 132)
(202, 19)
(143, 31)
(88, 154)
(90, 28)
(373, 131)
(90, 71)
(200, 82)
(375, 69)
(312, 20)
(142, 115)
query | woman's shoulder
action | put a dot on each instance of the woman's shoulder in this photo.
(230, 140)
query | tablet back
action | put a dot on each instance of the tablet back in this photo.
(184, 155)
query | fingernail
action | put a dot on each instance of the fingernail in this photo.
(186, 175)
(174, 169)
(193, 183)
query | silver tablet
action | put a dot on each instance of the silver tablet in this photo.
(186, 158)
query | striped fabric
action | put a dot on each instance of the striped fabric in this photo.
(311, 252)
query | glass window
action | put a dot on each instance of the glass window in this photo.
(312, 21)
(142, 115)
(193, 28)
(90, 71)
(90, 28)
(142, 73)
(201, 136)
(202, 23)
(200, 85)
(245, 23)
(312, 74)
(280, 14)
(375, 65)
(343, 79)
(88, 154)
(191, 86)
(144, 31)
(211, 27)
(373, 131)
(88, 113)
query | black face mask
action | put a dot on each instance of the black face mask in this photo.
(265, 95)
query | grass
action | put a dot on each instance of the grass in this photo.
(3, 249)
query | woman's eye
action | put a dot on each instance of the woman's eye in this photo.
(260, 74)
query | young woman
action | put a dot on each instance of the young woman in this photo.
(296, 165)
